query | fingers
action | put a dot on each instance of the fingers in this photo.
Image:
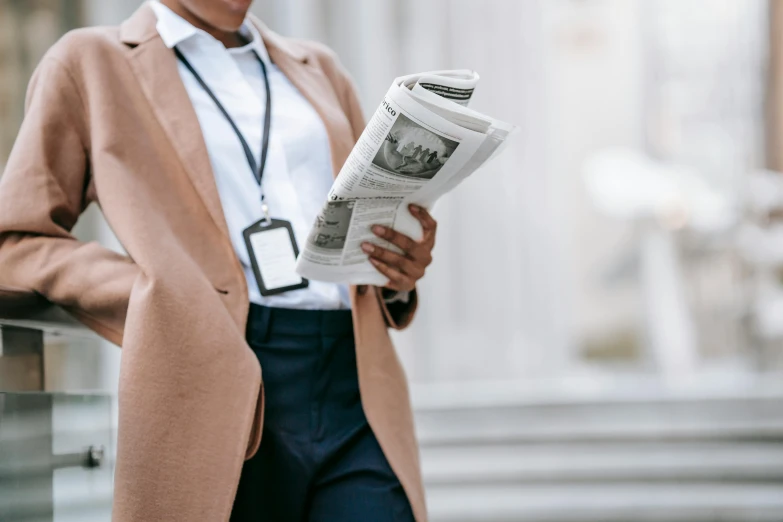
(397, 280)
(403, 270)
(399, 262)
(395, 238)
(428, 223)
(424, 217)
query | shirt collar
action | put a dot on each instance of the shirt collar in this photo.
(174, 30)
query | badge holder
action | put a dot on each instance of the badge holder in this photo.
(273, 252)
(270, 242)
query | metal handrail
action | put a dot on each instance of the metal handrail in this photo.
(91, 457)
(25, 320)
(26, 309)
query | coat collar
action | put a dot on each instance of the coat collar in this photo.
(155, 67)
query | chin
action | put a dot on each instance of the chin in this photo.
(234, 13)
(225, 15)
(237, 7)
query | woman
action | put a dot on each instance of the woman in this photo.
(189, 124)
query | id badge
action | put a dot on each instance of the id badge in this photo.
(273, 252)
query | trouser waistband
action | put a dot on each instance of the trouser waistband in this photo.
(266, 320)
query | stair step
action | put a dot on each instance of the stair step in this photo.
(636, 454)
(759, 419)
(487, 463)
(631, 502)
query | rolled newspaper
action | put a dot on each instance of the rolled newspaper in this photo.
(422, 141)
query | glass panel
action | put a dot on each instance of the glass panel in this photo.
(45, 443)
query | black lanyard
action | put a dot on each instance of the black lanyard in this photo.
(258, 170)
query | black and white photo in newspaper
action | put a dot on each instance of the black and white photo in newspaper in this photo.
(412, 151)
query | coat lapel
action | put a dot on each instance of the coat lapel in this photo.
(300, 68)
(155, 66)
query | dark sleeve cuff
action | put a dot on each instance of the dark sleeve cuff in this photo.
(398, 313)
(393, 296)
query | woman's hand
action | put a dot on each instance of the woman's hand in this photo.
(404, 270)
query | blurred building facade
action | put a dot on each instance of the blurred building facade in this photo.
(522, 252)
(523, 255)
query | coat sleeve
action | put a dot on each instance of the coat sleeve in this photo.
(398, 314)
(45, 187)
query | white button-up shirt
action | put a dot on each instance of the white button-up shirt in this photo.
(298, 172)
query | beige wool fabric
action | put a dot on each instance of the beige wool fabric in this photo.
(109, 121)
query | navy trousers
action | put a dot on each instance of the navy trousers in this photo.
(319, 460)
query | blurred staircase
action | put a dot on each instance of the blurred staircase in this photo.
(625, 456)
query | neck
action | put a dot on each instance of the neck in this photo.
(227, 38)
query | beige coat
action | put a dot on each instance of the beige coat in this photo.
(109, 121)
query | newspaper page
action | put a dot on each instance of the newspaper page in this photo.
(422, 141)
